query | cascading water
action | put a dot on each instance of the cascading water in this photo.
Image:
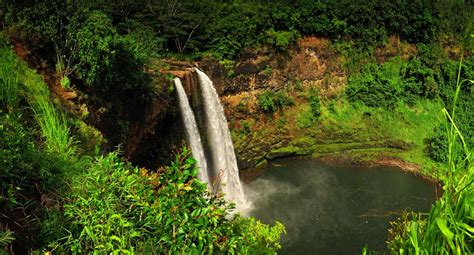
(225, 172)
(192, 132)
(219, 168)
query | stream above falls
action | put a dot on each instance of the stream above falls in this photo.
(329, 209)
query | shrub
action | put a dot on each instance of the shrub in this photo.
(438, 146)
(308, 117)
(143, 41)
(230, 34)
(384, 85)
(314, 104)
(281, 39)
(270, 101)
(96, 55)
(376, 86)
(21, 177)
(304, 119)
(114, 207)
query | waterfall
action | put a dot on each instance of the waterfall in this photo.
(225, 173)
(216, 160)
(192, 133)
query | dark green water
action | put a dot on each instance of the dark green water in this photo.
(334, 209)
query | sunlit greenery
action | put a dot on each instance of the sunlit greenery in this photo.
(105, 205)
(449, 227)
(76, 76)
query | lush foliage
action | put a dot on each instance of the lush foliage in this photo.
(270, 101)
(383, 85)
(96, 50)
(35, 146)
(306, 118)
(8, 81)
(430, 74)
(108, 206)
(118, 208)
(227, 28)
(438, 146)
(54, 199)
(19, 172)
(449, 227)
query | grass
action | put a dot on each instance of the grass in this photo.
(53, 127)
(9, 81)
(345, 127)
(52, 123)
(413, 125)
(449, 228)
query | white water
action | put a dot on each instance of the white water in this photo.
(192, 133)
(224, 172)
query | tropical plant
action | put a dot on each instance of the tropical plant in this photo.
(114, 207)
(449, 228)
(270, 101)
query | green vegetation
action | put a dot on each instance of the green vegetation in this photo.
(80, 205)
(270, 101)
(428, 75)
(219, 27)
(308, 117)
(53, 128)
(114, 207)
(449, 226)
(65, 189)
(281, 39)
(9, 82)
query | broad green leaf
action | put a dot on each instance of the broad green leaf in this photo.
(442, 225)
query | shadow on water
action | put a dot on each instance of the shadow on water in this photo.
(334, 209)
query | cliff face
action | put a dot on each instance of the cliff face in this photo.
(157, 131)
(311, 67)
(257, 135)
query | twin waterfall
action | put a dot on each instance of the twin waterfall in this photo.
(215, 152)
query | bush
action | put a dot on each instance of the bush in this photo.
(114, 207)
(376, 86)
(428, 75)
(304, 119)
(438, 146)
(234, 27)
(270, 101)
(281, 39)
(308, 117)
(96, 53)
(314, 104)
(20, 180)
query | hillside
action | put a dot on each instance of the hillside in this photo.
(94, 151)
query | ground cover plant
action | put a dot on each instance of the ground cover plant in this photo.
(75, 76)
